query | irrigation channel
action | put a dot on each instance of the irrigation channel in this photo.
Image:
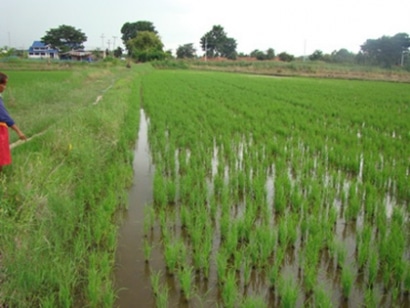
(132, 273)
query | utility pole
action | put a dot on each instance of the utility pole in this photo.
(102, 45)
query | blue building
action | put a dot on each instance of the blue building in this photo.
(39, 50)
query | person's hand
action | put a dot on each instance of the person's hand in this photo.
(22, 136)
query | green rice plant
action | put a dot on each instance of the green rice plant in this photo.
(224, 225)
(185, 217)
(174, 252)
(160, 189)
(237, 260)
(247, 271)
(309, 278)
(253, 301)
(341, 253)
(221, 265)
(171, 190)
(292, 227)
(160, 292)
(372, 268)
(155, 279)
(185, 277)
(147, 250)
(406, 280)
(149, 219)
(231, 239)
(322, 298)
(162, 298)
(347, 280)
(288, 292)
(229, 292)
(283, 234)
(279, 202)
(370, 202)
(370, 298)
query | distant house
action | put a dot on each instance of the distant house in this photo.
(77, 55)
(39, 50)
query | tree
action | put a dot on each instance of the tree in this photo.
(146, 46)
(317, 55)
(118, 52)
(285, 57)
(216, 43)
(65, 38)
(342, 56)
(260, 55)
(386, 51)
(186, 51)
(270, 54)
(131, 30)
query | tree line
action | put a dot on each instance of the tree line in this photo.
(143, 43)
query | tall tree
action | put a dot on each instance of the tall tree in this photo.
(186, 51)
(130, 30)
(146, 46)
(270, 54)
(65, 38)
(386, 51)
(342, 56)
(216, 43)
(285, 57)
(317, 55)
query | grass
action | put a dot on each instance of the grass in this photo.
(57, 213)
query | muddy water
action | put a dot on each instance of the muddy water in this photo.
(132, 274)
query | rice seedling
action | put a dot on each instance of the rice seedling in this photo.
(347, 280)
(174, 253)
(247, 271)
(322, 298)
(147, 250)
(309, 278)
(160, 292)
(185, 277)
(229, 292)
(341, 252)
(288, 292)
(370, 298)
(149, 219)
(221, 266)
(253, 302)
(406, 281)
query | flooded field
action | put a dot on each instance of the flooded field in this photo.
(248, 195)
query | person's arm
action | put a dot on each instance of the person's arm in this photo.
(19, 132)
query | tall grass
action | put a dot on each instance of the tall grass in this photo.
(60, 195)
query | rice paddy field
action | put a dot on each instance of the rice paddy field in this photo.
(265, 192)
(283, 192)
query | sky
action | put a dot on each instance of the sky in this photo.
(298, 27)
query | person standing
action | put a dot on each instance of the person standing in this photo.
(5, 122)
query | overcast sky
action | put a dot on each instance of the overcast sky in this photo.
(298, 27)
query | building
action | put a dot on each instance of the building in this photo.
(76, 55)
(39, 50)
